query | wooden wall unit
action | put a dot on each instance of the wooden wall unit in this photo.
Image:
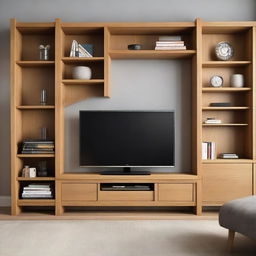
(222, 179)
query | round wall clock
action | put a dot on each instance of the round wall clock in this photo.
(224, 51)
(216, 81)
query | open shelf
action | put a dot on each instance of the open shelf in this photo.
(36, 179)
(225, 108)
(36, 155)
(82, 82)
(226, 89)
(79, 59)
(220, 125)
(32, 107)
(151, 54)
(216, 64)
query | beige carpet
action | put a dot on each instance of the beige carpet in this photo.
(118, 238)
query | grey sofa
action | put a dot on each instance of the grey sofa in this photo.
(239, 216)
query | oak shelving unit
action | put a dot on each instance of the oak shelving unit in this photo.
(222, 179)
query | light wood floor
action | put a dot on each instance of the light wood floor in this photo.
(109, 215)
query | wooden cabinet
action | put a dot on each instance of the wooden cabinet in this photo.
(78, 192)
(224, 182)
(176, 192)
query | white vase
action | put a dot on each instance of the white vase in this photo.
(237, 80)
(82, 72)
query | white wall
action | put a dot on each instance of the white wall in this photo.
(115, 11)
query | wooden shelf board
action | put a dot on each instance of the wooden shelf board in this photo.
(32, 107)
(82, 82)
(35, 63)
(225, 108)
(225, 89)
(35, 155)
(151, 54)
(215, 161)
(153, 176)
(216, 64)
(226, 28)
(35, 179)
(224, 125)
(87, 59)
(36, 202)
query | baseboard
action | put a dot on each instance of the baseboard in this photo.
(5, 201)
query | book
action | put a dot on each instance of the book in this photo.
(204, 150)
(74, 51)
(169, 38)
(83, 52)
(88, 48)
(208, 150)
(212, 121)
(170, 42)
(170, 48)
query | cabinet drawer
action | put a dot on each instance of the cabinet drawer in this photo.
(224, 182)
(176, 192)
(126, 195)
(79, 192)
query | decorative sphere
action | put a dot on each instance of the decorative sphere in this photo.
(82, 72)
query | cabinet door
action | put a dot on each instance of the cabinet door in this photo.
(78, 192)
(224, 182)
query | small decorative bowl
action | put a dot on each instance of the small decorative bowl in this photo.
(134, 46)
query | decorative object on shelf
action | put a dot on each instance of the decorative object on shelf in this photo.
(134, 46)
(42, 169)
(82, 72)
(25, 171)
(208, 150)
(212, 120)
(237, 80)
(33, 191)
(44, 52)
(220, 104)
(81, 50)
(216, 81)
(32, 172)
(37, 147)
(224, 51)
(43, 133)
(43, 97)
(170, 43)
(228, 156)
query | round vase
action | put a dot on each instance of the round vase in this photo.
(82, 72)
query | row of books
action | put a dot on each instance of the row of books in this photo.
(81, 50)
(208, 150)
(37, 191)
(170, 43)
(37, 147)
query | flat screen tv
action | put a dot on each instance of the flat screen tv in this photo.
(126, 139)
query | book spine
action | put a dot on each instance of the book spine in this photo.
(169, 38)
(204, 151)
(171, 48)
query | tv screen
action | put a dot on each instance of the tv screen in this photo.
(126, 138)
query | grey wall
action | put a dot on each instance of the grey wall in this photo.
(115, 10)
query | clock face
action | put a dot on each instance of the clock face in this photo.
(216, 81)
(224, 51)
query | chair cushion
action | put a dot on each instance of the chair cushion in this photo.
(240, 216)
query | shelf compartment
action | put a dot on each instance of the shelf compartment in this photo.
(240, 40)
(35, 63)
(36, 202)
(97, 69)
(230, 139)
(151, 54)
(222, 124)
(225, 108)
(226, 89)
(33, 107)
(216, 64)
(35, 155)
(83, 35)
(80, 59)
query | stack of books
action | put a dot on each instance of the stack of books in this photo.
(228, 156)
(170, 43)
(212, 121)
(37, 191)
(38, 147)
(81, 50)
(208, 150)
